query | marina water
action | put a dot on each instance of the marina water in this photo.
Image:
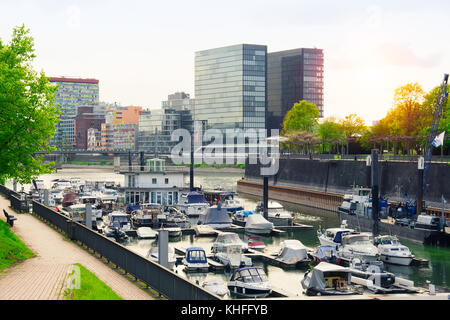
(438, 271)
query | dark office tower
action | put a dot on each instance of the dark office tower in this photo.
(293, 75)
(230, 87)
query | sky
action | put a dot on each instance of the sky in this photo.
(142, 51)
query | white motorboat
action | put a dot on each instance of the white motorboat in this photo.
(193, 204)
(120, 217)
(328, 279)
(195, 260)
(231, 256)
(225, 238)
(392, 251)
(62, 185)
(255, 242)
(152, 254)
(146, 233)
(75, 182)
(108, 195)
(232, 205)
(332, 236)
(276, 213)
(293, 252)
(258, 225)
(202, 230)
(250, 282)
(358, 245)
(217, 287)
(240, 217)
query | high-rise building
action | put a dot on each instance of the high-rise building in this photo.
(179, 101)
(230, 87)
(71, 93)
(293, 75)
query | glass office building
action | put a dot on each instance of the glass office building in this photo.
(230, 87)
(293, 75)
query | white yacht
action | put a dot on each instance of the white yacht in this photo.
(232, 205)
(225, 238)
(231, 256)
(392, 251)
(152, 254)
(250, 282)
(332, 236)
(193, 204)
(358, 245)
(256, 224)
(276, 213)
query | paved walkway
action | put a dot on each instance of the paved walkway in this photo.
(44, 277)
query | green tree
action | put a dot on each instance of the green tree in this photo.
(302, 116)
(329, 131)
(27, 113)
(429, 105)
(352, 125)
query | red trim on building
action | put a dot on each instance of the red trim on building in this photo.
(78, 80)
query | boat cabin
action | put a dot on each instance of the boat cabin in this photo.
(196, 255)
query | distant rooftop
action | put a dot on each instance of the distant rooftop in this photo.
(79, 80)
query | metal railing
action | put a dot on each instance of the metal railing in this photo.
(161, 279)
(362, 157)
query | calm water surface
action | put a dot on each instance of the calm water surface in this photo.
(438, 271)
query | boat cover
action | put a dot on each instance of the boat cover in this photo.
(317, 277)
(293, 251)
(258, 221)
(214, 215)
(326, 251)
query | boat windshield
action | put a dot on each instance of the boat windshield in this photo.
(197, 256)
(253, 276)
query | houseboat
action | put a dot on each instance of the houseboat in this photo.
(156, 184)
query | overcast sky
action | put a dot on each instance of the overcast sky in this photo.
(141, 51)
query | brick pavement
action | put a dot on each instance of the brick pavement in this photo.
(44, 277)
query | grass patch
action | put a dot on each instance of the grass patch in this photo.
(12, 249)
(91, 288)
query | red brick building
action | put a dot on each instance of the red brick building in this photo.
(85, 119)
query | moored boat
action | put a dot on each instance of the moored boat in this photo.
(250, 282)
(195, 260)
(293, 252)
(256, 224)
(146, 233)
(392, 251)
(328, 279)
